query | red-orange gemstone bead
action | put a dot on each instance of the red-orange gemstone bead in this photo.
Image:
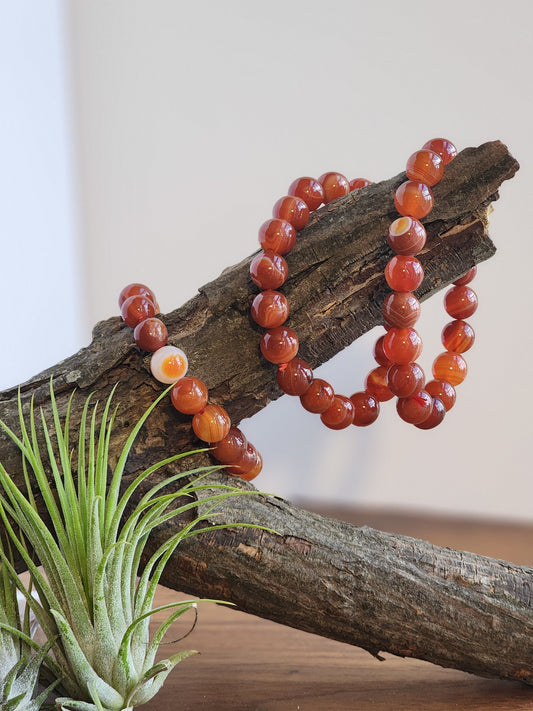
(379, 353)
(231, 447)
(292, 209)
(137, 289)
(401, 309)
(366, 409)
(413, 199)
(189, 395)
(212, 424)
(279, 345)
(425, 166)
(416, 408)
(466, 278)
(445, 149)
(402, 345)
(404, 273)
(268, 270)
(294, 377)
(277, 235)
(460, 301)
(406, 236)
(458, 336)
(339, 414)
(376, 384)
(249, 464)
(357, 183)
(150, 334)
(451, 367)
(135, 309)
(309, 190)
(403, 380)
(335, 185)
(270, 309)
(435, 418)
(318, 396)
(443, 390)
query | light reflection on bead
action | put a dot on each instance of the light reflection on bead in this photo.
(268, 270)
(335, 185)
(376, 384)
(339, 414)
(212, 424)
(403, 380)
(294, 377)
(189, 395)
(436, 416)
(445, 149)
(425, 166)
(366, 409)
(401, 309)
(460, 302)
(135, 309)
(318, 396)
(168, 364)
(293, 209)
(413, 199)
(416, 408)
(279, 345)
(150, 334)
(443, 390)
(356, 183)
(309, 190)
(404, 273)
(270, 309)
(451, 367)
(231, 447)
(402, 345)
(277, 235)
(458, 336)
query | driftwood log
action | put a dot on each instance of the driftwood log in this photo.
(364, 587)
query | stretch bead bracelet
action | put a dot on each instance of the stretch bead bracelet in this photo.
(398, 373)
(211, 423)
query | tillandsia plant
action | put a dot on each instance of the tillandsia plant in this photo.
(95, 601)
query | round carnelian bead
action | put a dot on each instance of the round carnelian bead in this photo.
(277, 235)
(137, 289)
(294, 377)
(212, 424)
(425, 166)
(444, 148)
(150, 334)
(376, 384)
(279, 345)
(231, 447)
(405, 379)
(366, 409)
(318, 396)
(413, 199)
(357, 183)
(189, 395)
(402, 345)
(466, 278)
(248, 465)
(268, 270)
(401, 309)
(168, 364)
(404, 273)
(451, 367)
(415, 408)
(379, 353)
(335, 185)
(135, 309)
(309, 190)
(270, 309)
(339, 414)
(458, 336)
(406, 236)
(292, 209)
(443, 390)
(435, 418)
(460, 302)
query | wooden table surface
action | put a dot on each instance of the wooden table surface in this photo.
(250, 664)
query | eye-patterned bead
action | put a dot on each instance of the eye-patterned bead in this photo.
(406, 235)
(168, 364)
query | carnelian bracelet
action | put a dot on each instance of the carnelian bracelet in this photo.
(398, 373)
(189, 396)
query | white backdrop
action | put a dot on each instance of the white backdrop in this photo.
(191, 119)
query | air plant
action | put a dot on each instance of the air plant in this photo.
(95, 601)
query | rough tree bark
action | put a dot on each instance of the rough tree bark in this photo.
(354, 584)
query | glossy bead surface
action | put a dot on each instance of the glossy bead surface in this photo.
(444, 148)
(425, 166)
(416, 408)
(294, 377)
(435, 418)
(413, 199)
(268, 270)
(458, 336)
(150, 334)
(335, 185)
(231, 447)
(406, 236)
(212, 424)
(318, 396)
(189, 395)
(366, 409)
(135, 309)
(279, 345)
(270, 309)
(356, 183)
(137, 289)
(402, 345)
(292, 209)
(404, 380)
(466, 278)
(376, 384)
(451, 367)
(168, 364)
(249, 464)
(339, 414)
(404, 273)
(379, 353)
(443, 390)
(460, 302)
(401, 309)
(277, 236)
(309, 190)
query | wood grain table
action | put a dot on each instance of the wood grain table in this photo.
(250, 664)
